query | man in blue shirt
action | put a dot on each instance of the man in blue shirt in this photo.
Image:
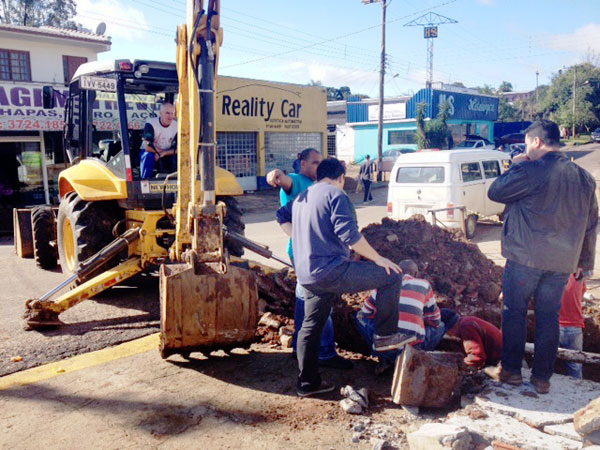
(323, 230)
(291, 185)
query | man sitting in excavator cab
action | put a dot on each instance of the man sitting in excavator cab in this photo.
(159, 143)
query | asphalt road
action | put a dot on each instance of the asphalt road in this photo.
(131, 310)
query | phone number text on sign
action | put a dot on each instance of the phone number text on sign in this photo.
(31, 124)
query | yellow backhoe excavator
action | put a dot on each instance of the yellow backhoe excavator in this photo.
(112, 225)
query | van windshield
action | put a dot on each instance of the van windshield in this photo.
(420, 175)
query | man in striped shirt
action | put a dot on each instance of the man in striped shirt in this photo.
(419, 315)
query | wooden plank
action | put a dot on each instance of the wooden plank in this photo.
(23, 234)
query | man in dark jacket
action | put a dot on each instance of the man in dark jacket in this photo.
(366, 169)
(549, 232)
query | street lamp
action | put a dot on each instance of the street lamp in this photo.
(384, 4)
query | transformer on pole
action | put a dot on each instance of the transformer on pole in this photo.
(429, 22)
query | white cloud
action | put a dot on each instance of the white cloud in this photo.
(330, 75)
(122, 22)
(487, 2)
(582, 40)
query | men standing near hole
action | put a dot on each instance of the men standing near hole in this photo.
(291, 185)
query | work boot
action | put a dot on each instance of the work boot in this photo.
(391, 342)
(497, 373)
(337, 362)
(540, 386)
(305, 391)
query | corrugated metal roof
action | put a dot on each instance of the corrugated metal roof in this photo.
(57, 33)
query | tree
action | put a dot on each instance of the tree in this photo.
(434, 133)
(486, 90)
(36, 13)
(557, 103)
(505, 86)
(507, 112)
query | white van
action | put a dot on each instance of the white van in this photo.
(453, 181)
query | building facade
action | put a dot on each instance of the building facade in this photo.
(31, 137)
(469, 114)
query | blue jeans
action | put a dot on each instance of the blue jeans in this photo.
(572, 338)
(166, 164)
(433, 336)
(519, 283)
(349, 277)
(327, 348)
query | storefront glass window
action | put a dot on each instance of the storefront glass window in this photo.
(236, 152)
(281, 148)
(402, 137)
(21, 180)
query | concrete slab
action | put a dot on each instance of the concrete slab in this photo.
(566, 396)
(565, 430)
(498, 426)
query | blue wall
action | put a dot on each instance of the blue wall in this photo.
(365, 139)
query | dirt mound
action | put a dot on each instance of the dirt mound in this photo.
(463, 279)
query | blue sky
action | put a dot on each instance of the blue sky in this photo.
(338, 42)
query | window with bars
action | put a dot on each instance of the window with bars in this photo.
(331, 145)
(236, 152)
(281, 149)
(14, 65)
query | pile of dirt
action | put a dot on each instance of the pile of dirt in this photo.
(462, 277)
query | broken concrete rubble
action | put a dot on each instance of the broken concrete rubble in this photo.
(433, 436)
(429, 379)
(587, 421)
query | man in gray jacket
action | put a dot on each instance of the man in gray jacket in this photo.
(549, 232)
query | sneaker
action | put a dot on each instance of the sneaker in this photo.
(337, 362)
(391, 342)
(314, 390)
(497, 373)
(540, 386)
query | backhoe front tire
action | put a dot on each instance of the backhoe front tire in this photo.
(43, 229)
(83, 229)
(233, 221)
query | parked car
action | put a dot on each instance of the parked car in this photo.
(479, 143)
(389, 157)
(450, 179)
(513, 138)
(596, 135)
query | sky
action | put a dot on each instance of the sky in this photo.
(338, 42)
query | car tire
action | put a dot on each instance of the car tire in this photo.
(470, 226)
(233, 221)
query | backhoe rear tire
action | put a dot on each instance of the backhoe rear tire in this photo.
(233, 221)
(43, 229)
(83, 229)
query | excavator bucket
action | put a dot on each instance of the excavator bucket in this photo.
(204, 308)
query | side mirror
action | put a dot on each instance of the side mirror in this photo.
(48, 97)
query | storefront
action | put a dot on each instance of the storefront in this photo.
(263, 125)
(469, 114)
(260, 126)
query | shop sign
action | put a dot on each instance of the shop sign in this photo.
(391, 111)
(252, 104)
(21, 109)
(467, 106)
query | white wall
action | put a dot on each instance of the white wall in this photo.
(46, 54)
(344, 142)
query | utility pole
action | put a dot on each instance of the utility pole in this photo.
(537, 74)
(384, 4)
(574, 95)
